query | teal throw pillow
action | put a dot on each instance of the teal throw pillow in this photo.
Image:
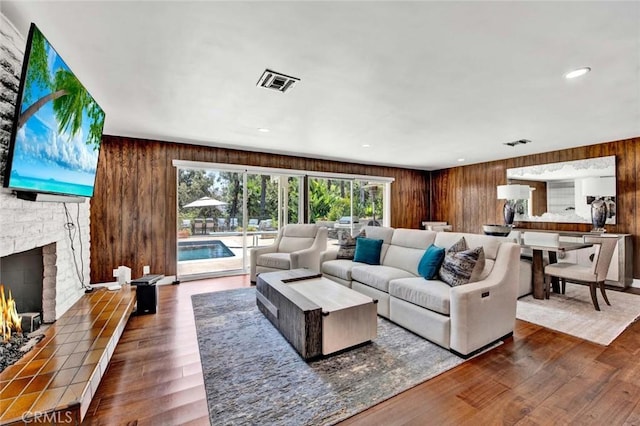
(368, 251)
(430, 262)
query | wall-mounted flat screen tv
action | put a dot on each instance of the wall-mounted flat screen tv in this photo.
(57, 129)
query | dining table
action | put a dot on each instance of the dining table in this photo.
(540, 290)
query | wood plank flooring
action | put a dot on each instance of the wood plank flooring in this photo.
(538, 377)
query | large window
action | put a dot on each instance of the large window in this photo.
(223, 210)
(346, 205)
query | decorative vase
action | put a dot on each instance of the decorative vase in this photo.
(611, 207)
(509, 211)
(598, 215)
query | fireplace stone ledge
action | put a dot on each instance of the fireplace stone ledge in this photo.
(62, 372)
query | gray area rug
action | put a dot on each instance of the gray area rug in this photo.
(573, 313)
(253, 376)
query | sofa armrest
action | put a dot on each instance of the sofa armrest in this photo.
(484, 311)
(327, 255)
(310, 258)
(253, 257)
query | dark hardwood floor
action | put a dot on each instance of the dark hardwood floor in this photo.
(537, 377)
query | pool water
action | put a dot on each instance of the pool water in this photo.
(198, 250)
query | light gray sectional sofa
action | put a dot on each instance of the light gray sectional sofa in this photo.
(463, 319)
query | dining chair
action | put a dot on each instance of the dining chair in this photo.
(198, 226)
(592, 275)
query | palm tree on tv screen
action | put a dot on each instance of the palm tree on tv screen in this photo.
(70, 98)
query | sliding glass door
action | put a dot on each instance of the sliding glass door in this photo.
(222, 214)
(346, 205)
(210, 216)
(225, 210)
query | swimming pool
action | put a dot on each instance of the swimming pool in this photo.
(198, 250)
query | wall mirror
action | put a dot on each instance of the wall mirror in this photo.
(563, 192)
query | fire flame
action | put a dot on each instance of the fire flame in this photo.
(9, 319)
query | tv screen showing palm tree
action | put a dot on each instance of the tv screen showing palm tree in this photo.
(57, 127)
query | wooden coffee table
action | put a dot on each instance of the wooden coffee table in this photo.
(316, 315)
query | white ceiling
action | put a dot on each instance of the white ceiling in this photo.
(423, 83)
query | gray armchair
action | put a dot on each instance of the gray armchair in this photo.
(296, 246)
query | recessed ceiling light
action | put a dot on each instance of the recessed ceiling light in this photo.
(460, 160)
(366, 145)
(577, 73)
(263, 130)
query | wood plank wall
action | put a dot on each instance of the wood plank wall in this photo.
(133, 211)
(466, 196)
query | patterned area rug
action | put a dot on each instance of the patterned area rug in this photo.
(253, 376)
(573, 313)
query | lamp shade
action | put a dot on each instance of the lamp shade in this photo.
(513, 192)
(599, 187)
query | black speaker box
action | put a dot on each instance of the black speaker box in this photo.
(147, 298)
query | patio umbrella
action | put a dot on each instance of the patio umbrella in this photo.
(206, 202)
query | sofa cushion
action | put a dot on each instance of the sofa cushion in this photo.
(291, 244)
(300, 230)
(461, 265)
(407, 248)
(297, 237)
(340, 268)
(274, 260)
(378, 276)
(489, 243)
(433, 294)
(347, 243)
(368, 251)
(430, 262)
(380, 233)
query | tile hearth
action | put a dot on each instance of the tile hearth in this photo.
(62, 372)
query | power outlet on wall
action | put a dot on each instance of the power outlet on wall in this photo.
(146, 270)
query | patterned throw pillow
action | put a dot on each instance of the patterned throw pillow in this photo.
(348, 245)
(460, 263)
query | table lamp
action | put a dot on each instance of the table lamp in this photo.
(511, 193)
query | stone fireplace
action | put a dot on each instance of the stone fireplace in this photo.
(31, 277)
(61, 231)
(30, 230)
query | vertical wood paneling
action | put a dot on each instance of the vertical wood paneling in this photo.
(455, 190)
(133, 214)
(144, 198)
(132, 170)
(170, 204)
(158, 190)
(131, 187)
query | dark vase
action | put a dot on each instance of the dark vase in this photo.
(598, 214)
(509, 212)
(611, 207)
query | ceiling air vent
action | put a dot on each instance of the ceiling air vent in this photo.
(276, 81)
(518, 142)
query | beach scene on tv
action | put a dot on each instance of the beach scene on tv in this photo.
(59, 128)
